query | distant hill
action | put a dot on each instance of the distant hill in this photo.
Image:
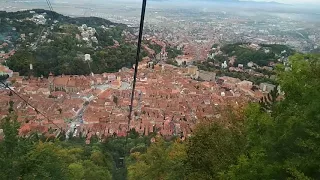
(202, 0)
(229, 1)
(59, 43)
(90, 21)
(261, 56)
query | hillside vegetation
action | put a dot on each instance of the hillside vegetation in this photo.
(60, 49)
(262, 57)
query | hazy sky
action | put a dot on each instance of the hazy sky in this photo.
(303, 2)
(294, 1)
(280, 1)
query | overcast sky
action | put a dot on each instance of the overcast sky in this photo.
(303, 2)
(280, 1)
(295, 1)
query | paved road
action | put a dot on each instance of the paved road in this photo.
(77, 120)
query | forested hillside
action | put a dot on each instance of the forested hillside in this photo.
(90, 21)
(59, 45)
(262, 56)
(246, 61)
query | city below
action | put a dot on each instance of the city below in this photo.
(180, 80)
(221, 89)
(185, 75)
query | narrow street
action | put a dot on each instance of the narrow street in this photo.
(77, 120)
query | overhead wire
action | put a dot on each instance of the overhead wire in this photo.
(33, 107)
(143, 12)
(144, 3)
(49, 4)
(17, 94)
(40, 35)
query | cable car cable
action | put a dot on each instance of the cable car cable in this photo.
(34, 108)
(143, 11)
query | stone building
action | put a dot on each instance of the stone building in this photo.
(69, 84)
(192, 70)
(206, 75)
(266, 87)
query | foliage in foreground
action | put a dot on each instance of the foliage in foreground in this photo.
(211, 149)
(32, 158)
(281, 143)
(38, 157)
(284, 144)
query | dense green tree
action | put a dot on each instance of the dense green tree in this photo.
(245, 76)
(118, 148)
(21, 61)
(63, 56)
(244, 54)
(76, 171)
(162, 160)
(220, 58)
(211, 150)
(43, 162)
(12, 149)
(100, 159)
(285, 144)
(172, 62)
(36, 158)
(157, 48)
(279, 49)
(173, 52)
(92, 171)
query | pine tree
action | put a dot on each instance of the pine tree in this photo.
(267, 102)
(10, 149)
